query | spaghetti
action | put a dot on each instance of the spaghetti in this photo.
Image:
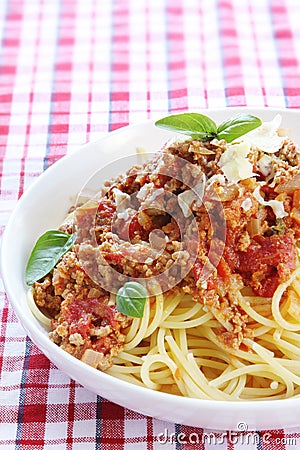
(179, 351)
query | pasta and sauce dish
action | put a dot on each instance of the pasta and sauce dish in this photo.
(183, 274)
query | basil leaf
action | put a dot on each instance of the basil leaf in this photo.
(237, 126)
(131, 299)
(48, 250)
(193, 124)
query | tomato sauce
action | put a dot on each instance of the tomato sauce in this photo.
(266, 256)
(82, 314)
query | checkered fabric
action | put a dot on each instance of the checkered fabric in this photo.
(73, 70)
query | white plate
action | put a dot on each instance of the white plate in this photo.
(44, 205)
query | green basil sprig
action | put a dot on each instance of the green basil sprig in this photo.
(203, 128)
(48, 250)
(131, 299)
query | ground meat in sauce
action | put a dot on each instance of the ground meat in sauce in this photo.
(85, 316)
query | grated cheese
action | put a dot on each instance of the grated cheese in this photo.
(266, 137)
(264, 165)
(219, 178)
(122, 200)
(185, 200)
(234, 162)
(145, 191)
(276, 205)
(246, 204)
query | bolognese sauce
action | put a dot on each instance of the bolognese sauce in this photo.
(262, 217)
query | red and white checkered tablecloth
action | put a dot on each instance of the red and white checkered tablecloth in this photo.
(71, 71)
